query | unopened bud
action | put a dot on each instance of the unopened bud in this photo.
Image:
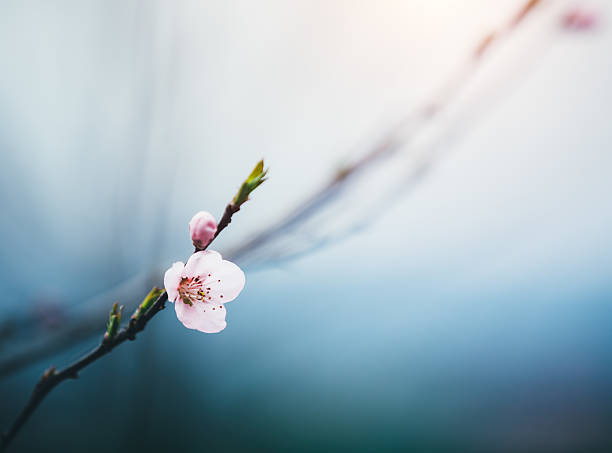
(202, 228)
(114, 320)
(255, 179)
(148, 301)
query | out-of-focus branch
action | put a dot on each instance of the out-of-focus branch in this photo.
(67, 337)
(261, 245)
(67, 326)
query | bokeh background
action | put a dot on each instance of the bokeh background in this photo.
(468, 309)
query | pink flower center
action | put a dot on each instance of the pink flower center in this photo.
(192, 290)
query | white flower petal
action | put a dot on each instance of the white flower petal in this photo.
(202, 316)
(172, 279)
(225, 283)
(202, 263)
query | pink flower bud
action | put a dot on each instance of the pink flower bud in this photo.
(202, 228)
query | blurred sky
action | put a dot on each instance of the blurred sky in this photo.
(473, 316)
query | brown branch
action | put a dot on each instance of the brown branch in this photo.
(230, 210)
(51, 378)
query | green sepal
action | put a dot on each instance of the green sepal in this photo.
(147, 302)
(114, 320)
(254, 180)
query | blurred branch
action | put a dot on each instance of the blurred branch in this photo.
(67, 337)
(265, 245)
(70, 324)
(153, 303)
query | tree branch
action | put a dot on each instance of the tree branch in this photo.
(114, 337)
(51, 378)
(230, 210)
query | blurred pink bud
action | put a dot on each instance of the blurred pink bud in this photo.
(579, 19)
(202, 228)
(201, 288)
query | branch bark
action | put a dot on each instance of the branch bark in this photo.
(52, 378)
(226, 219)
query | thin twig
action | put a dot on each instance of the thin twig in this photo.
(230, 210)
(51, 378)
(86, 327)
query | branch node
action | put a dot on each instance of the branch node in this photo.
(48, 373)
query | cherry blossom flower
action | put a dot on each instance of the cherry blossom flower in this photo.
(200, 289)
(202, 228)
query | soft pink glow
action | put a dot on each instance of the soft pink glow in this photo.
(579, 19)
(201, 288)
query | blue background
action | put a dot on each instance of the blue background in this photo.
(471, 314)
